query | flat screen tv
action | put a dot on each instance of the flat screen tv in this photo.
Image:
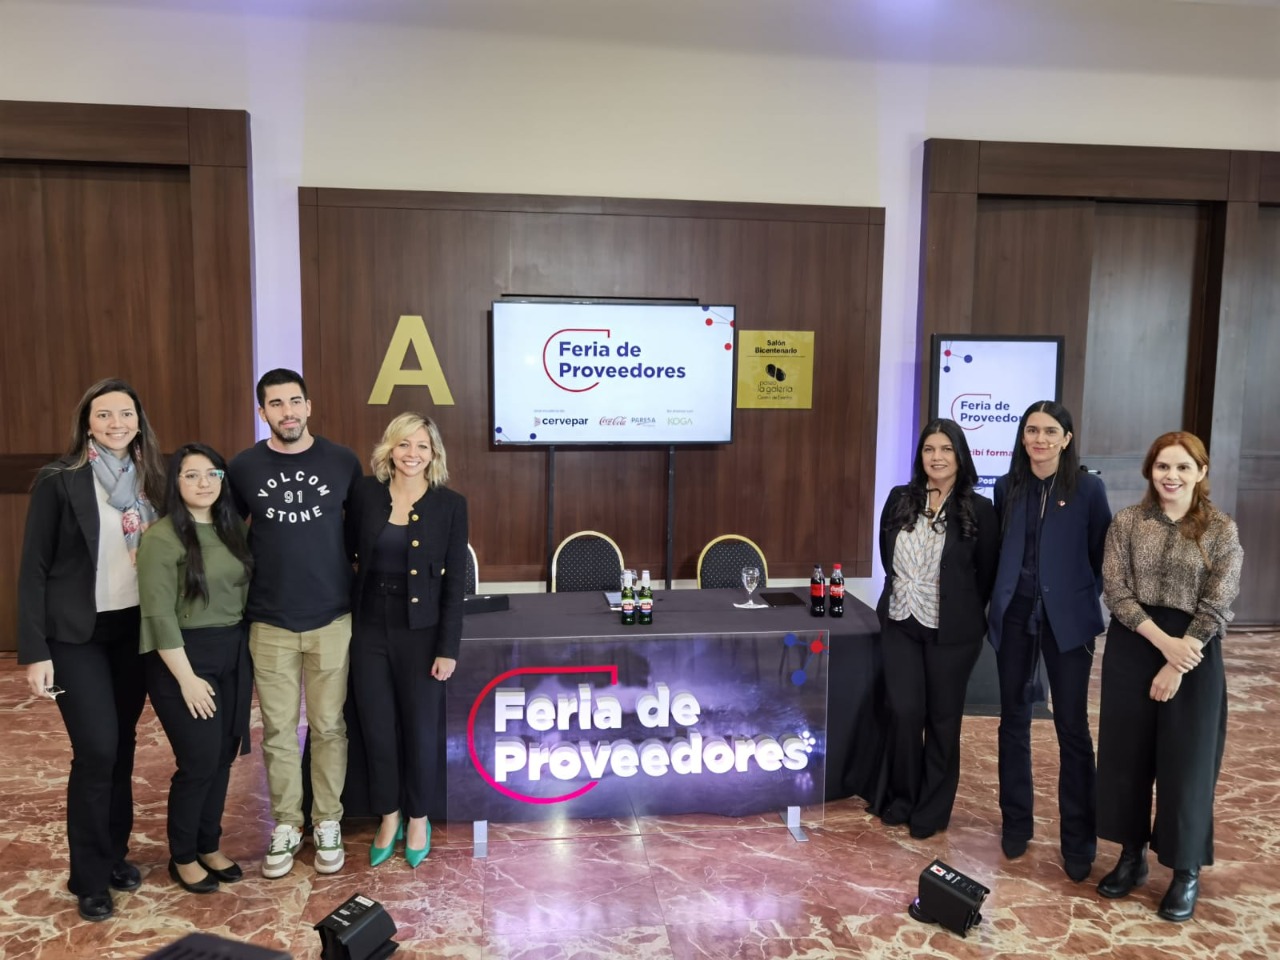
(984, 383)
(595, 372)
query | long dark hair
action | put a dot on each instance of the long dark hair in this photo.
(144, 448)
(906, 510)
(226, 523)
(1020, 475)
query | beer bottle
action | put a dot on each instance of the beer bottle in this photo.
(644, 603)
(837, 592)
(817, 592)
(628, 601)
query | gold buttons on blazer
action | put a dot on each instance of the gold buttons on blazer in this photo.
(413, 573)
(413, 599)
(413, 516)
(413, 543)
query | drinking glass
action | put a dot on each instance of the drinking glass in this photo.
(750, 580)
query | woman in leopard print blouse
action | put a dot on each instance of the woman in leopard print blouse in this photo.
(1170, 571)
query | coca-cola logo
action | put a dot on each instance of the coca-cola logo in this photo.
(613, 421)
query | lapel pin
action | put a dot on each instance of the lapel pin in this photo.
(1062, 503)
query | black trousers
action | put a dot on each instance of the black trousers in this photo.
(399, 702)
(1017, 662)
(105, 695)
(925, 684)
(1175, 746)
(204, 749)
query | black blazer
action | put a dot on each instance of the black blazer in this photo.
(967, 574)
(1071, 546)
(437, 570)
(58, 575)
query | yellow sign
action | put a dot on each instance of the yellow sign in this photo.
(411, 332)
(775, 369)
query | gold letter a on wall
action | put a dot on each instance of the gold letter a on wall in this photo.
(411, 332)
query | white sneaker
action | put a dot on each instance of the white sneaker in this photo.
(328, 840)
(285, 841)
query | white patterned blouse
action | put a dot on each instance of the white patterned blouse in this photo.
(917, 559)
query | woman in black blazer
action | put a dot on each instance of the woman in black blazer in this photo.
(938, 545)
(409, 535)
(1053, 521)
(78, 623)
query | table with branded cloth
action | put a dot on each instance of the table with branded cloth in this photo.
(555, 704)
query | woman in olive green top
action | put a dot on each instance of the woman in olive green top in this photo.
(193, 578)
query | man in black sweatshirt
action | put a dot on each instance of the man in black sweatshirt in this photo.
(294, 487)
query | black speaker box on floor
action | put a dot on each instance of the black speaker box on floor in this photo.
(358, 930)
(948, 897)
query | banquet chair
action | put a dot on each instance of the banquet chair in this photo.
(473, 572)
(721, 561)
(586, 560)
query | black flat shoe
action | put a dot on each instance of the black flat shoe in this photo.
(921, 833)
(1179, 903)
(207, 884)
(231, 874)
(1012, 848)
(97, 907)
(1129, 872)
(125, 876)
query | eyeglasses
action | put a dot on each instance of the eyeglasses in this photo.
(54, 691)
(195, 476)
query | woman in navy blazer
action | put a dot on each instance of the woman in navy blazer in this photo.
(1054, 521)
(78, 623)
(409, 535)
(938, 545)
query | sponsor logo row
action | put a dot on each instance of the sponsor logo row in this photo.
(672, 421)
(677, 421)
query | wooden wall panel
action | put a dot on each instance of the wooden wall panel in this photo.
(1182, 298)
(93, 133)
(1146, 295)
(1033, 259)
(1090, 170)
(111, 290)
(130, 260)
(1257, 508)
(371, 256)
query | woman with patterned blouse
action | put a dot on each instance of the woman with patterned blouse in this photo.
(1170, 573)
(938, 544)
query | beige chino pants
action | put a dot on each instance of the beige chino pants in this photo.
(286, 667)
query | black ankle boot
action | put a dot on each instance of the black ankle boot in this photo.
(1129, 872)
(1179, 902)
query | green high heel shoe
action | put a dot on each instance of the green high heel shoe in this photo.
(379, 855)
(415, 857)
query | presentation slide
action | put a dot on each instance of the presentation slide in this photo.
(606, 373)
(985, 384)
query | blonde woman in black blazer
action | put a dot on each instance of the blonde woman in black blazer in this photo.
(78, 623)
(939, 542)
(409, 535)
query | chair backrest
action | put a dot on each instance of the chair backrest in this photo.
(586, 560)
(473, 571)
(721, 561)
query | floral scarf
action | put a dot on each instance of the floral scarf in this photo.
(120, 478)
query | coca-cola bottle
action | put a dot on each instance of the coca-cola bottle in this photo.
(628, 601)
(817, 592)
(644, 603)
(836, 607)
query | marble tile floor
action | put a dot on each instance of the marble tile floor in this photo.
(686, 888)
